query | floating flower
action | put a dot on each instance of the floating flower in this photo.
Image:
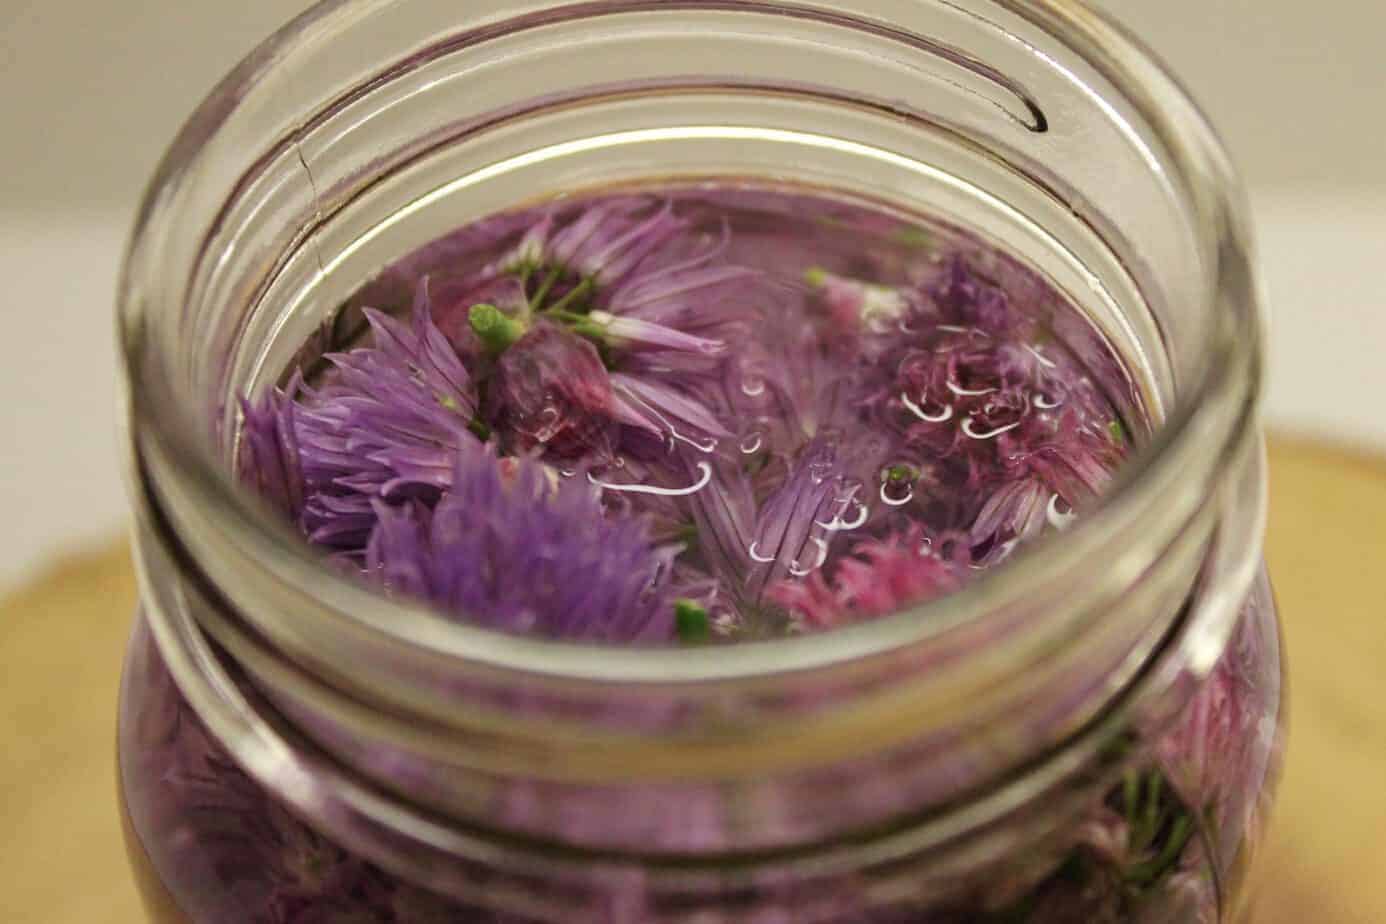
(552, 390)
(878, 577)
(269, 460)
(855, 305)
(1015, 512)
(665, 410)
(389, 423)
(966, 296)
(515, 552)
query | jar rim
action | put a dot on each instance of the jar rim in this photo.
(1167, 480)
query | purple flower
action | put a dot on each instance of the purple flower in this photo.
(586, 260)
(724, 515)
(627, 269)
(636, 281)
(664, 409)
(388, 423)
(1015, 512)
(965, 295)
(709, 401)
(513, 551)
(605, 242)
(552, 390)
(796, 524)
(269, 458)
(275, 865)
(785, 522)
(633, 333)
(1066, 453)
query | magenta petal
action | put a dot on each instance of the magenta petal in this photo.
(652, 399)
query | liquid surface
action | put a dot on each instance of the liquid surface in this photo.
(703, 415)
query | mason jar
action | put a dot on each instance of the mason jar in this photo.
(1089, 734)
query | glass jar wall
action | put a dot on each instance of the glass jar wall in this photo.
(1088, 734)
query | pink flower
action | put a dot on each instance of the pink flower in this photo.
(856, 306)
(880, 576)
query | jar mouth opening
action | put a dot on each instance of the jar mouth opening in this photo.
(1165, 480)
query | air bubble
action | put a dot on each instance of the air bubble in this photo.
(847, 500)
(702, 482)
(896, 494)
(798, 570)
(967, 392)
(1059, 519)
(819, 471)
(972, 431)
(916, 410)
(704, 446)
(1044, 360)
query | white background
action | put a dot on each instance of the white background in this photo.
(92, 90)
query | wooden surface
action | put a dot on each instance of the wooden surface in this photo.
(61, 638)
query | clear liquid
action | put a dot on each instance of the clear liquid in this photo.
(712, 413)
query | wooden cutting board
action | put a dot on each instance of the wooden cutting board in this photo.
(61, 638)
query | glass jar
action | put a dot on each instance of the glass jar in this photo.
(1088, 734)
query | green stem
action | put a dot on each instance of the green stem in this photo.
(690, 621)
(544, 287)
(480, 428)
(579, 291)
(1151, 870)
(495, 330)
(581, 324)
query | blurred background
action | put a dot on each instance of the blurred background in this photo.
(92, 91)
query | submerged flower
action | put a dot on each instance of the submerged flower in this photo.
(513, 551)
(1015, 512)
(795, 524)
(1074, 462)
(389, 423)
(269, 460)
(634, 333)
(626, 257)
(612, 285)
(604, 243)
(782, 522)
(786, 437)
(856, 305)
(879, 577)
(969, 298)
(271, 862)
(552, 390)
(665, 410)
